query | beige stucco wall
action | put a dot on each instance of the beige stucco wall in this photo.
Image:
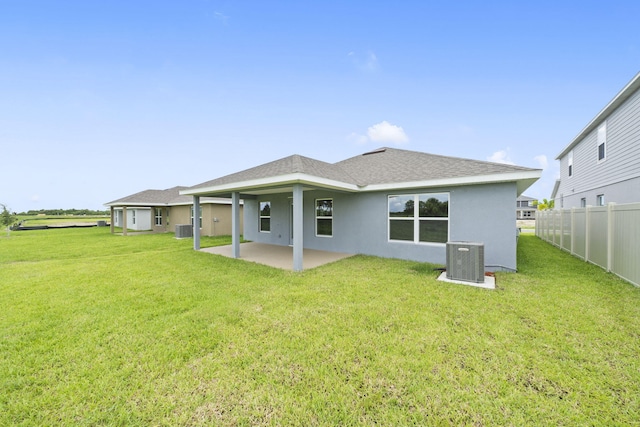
(221, 227)
(160, 228)
(179, 215)
(222, 213)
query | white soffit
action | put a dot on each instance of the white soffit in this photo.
(267, 183)
(467, 180)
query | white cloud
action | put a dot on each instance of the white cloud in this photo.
(383, 132)
(35, 198)
(386, 132)
(367, 62)
(501, 156)
(221, 17)
(542, 161)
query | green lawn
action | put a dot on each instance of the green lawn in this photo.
(99, 329)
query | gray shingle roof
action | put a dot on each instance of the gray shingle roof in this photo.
(382, 166)
(168, 197)
(285, 166)
(392, 165)
(150, 197)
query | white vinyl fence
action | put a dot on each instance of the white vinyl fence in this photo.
(608, 236)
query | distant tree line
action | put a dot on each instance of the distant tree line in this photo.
(75, 212)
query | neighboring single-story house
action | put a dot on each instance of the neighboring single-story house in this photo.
(388, 203)
(161, 210)
(526, 207)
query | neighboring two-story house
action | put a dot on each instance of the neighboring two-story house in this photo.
(602, 163)
(526, 207)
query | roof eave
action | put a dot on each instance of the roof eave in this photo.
(134, 204)
(524, 180)
(621, 97)
(282, 180)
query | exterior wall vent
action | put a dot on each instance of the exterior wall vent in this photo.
(465, 261)
(184, 231)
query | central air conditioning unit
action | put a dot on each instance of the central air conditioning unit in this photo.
(184, 231)
(465, 261)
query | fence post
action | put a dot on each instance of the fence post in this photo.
(572, 231)
(610, 236)
(561, 228)
(587, 226)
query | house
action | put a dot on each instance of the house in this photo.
(526, 207)
(602, 163)
(160, 210)
(388, 203)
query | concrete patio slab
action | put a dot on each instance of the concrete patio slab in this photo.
(489, 281)
(277, 256)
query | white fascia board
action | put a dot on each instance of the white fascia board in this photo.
(622, 96)
(294, 178)
(459, 181)
(132, 207)
(217, 201)
(137, 204)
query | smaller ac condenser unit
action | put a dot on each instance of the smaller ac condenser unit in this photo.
(465, 261)
(183, 231)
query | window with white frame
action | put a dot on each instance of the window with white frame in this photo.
(570, 161)
(602, 141)
(600, 200)
(583, 202)
(419, 218)
(199, 216)
(265, 217)
(158, 216)
(324, 217)
(133, 217)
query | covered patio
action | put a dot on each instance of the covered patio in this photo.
(277, 256)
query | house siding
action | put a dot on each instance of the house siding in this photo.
(182, 215)
(222, 213)
(618, 175)
(360, 223)
(143, 219)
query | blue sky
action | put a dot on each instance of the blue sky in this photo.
(102, 99)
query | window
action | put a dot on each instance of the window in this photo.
(602, 141)
(583, 202)
(600, 200)
(324, 217)
(265, 217)
(429, 223)
(133, 217)
(200, 216)
(158, 216)
(570, 161)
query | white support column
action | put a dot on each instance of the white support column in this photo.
(298, 229)
(196, 223)
(235, 224)
(111, 225)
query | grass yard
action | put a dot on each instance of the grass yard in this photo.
(99, 329)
